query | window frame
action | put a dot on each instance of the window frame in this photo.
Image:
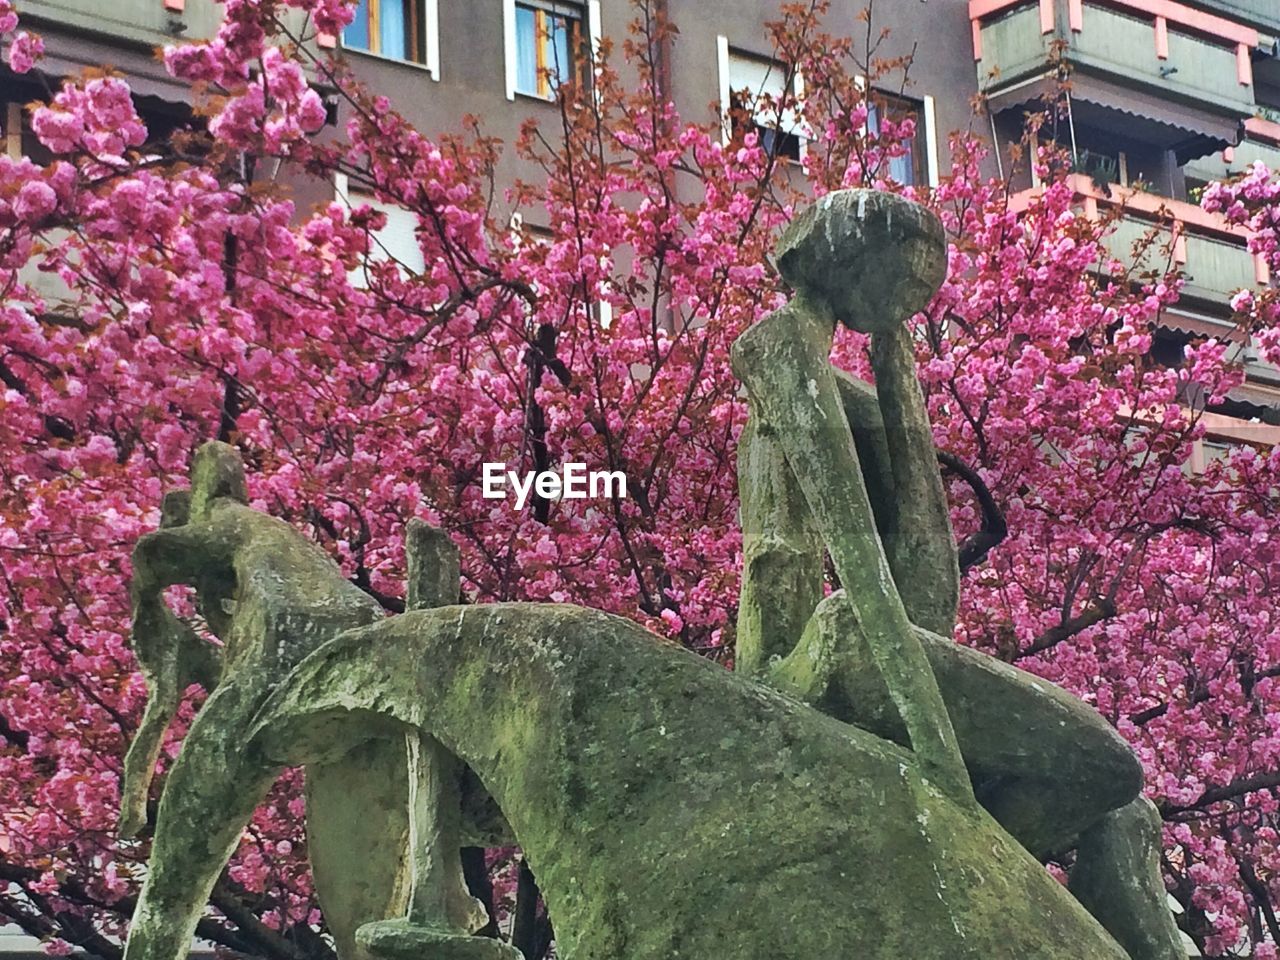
(13, 130)
(924, 149)
(587, 15)
(725, 54)
(425, 36)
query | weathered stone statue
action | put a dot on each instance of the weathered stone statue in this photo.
(829, 800)
(828, 463)
(271, 598)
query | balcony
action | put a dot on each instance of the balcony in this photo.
(124, 34)
(1174, 76)
(1211, 253)
(1263, 14)
(146, 23)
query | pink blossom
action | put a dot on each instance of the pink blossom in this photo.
(24, 51)
(35, 200)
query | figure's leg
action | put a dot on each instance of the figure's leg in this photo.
(1117, 878)
(919, 542)
(784, 362)
(1048, 768)
(1044, 764)
(358, 838)
(432, 913)
(781, 553)
(209, 797)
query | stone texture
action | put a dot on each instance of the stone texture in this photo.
(358, 838)
(782, 555)
(916, 524)
(1044, 763)
(784, 362)
(865, 486)
(404, 940)
(271, 597)
(671, 808)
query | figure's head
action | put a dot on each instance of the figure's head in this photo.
(216, 471)
(875, 259)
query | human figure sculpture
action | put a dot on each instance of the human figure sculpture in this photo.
(825, 460)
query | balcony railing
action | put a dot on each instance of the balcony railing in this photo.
(1263, 14)
(148, 23)
(1211, 253)
(1160, 46)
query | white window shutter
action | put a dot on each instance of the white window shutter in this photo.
(931, 139)
(594, 30)
(431, 16)
(722, 69)
(509, 45)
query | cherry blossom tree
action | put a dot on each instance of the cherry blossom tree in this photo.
(160, 291)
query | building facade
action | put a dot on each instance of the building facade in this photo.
(1165, 96)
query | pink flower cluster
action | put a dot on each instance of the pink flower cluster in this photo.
(152, 304)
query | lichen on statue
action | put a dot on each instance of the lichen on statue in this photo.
(271, 597)
(837, 460)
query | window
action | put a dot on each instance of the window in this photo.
(547, 45)
(752, 89)
(397, 241)
(912, 168)
(19, 140)
(396, 29)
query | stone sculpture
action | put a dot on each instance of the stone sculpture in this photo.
(271, 597)
(669, 808)
(1043, 763)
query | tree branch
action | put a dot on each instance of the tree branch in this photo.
(1102, 609)
(994, 529)
(1229, 791)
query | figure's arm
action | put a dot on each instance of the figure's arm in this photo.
(783, 360)
(172, 657)
(866, 422)
(919, 541)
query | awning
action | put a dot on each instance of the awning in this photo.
(69, 54)
(1132, 113)
(1261, 395)
(1199, 326)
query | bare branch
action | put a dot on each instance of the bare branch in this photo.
(994, 529)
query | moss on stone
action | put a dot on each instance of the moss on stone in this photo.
(670, 808)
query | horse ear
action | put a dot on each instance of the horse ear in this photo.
(175, 509)
(216, 471)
